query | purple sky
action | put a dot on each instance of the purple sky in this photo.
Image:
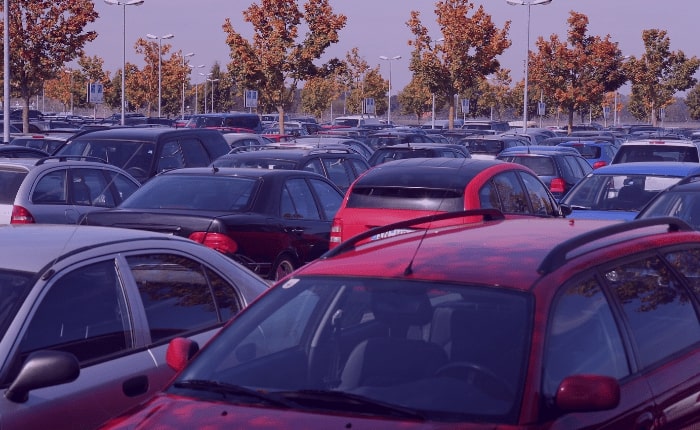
(378, 27)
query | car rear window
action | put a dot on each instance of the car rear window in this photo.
(10, 180)
(542, 166)
(480, 146)
(429, 199)
(587, 151)
(632, 153)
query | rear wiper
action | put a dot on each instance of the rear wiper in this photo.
(227, 390)
(328, 399)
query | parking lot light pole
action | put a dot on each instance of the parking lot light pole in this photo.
(211, 108)
(389, 59)
(204, 96)
(160, 56)
(184, 79)
(124, 4)
(527, 3)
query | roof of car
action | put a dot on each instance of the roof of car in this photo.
(539, 149)
(671, 168)
(136, 133)
(660, 141)
(37, 245)
(426, 256)
(250, 172)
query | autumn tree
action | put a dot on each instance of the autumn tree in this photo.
(576, 73)
(279, 58)
(468, 52)
(416, 99)
(692, 101)
(318, 94)
(45, 35)
(658, 75)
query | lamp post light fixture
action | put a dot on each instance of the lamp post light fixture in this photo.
(204, 96)
(389, 59)
(124, 4)
(211, 108)
(182, 112)
(527, 3)
(160, 52)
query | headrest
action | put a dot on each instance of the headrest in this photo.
(401, 308)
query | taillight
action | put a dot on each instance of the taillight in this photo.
(336, 232)
(21, 216)
(600, 163)
(217, 241)
(557, 186)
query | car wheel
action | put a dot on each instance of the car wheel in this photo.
(284, 265)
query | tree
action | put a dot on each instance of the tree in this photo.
(277, 60)
(44, 35)
(657, 75)
(318, 94)
(416, 99)
(466, 54)
(692, 100)
(577, 73)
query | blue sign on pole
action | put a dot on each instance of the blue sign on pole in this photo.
(96, 93)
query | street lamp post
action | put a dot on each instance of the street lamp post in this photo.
(70, 75)
(124, 4)
(389, 59)
(182, 112)
(527, 3)
(160, 55)
(211, 108)
(204, 96)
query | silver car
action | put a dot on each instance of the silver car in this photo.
(58, 190)
(87, 312)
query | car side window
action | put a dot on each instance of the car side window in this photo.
(84, 313)
(360, 167)
(687, 263)
(582, 337)
(302, 200)
(195, 154)
(330, 199)
(313, 165)
(658, 309)
(176, 295)
(338, 171)
(51, 188)
(122, 185)
(171, 157)
(90, 188)
(540, 199)
(511, 194)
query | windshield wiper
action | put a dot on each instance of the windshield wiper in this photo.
(230, 389)
(580, 208)
(349, 402)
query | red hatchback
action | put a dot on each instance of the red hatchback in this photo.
(410, 188)
(520, 323)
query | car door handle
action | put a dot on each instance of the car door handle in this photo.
(644, 421)
(135, 386)
(297, 230)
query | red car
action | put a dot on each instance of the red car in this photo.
(410, 188)
(508, 324)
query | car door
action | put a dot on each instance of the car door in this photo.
(82, 310)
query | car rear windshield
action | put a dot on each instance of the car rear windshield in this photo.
(206, 193)
(588, 152)
(427, 199)
(541, 165)
(480, 146)
(374, 346)
(617, 192)
(661, 152)
(10, 180)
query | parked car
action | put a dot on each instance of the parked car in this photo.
(245, 140)
(402, 151)
(592, 325)
(488, 147)
(337, 163)
(145, 152)
(681, 200)
(658, 149)
(405, 189)
(19, 151)
(389, 137)
(560, 168)
(356, 145)
(57, 190)
(87, 312)
(48, 144)
(620, 191)
(598, 153)
(271, 221)
(241, 121)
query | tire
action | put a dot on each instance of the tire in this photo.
(284, 265)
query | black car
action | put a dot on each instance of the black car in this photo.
(487, 147)
(145, 152)
(417, 150)
(18, 151)
(226, 121)
(560, 168)
(272, 221)
(337, 162)
(388, 137)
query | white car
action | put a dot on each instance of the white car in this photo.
(658, 149)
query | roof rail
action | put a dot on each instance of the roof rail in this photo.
(42, 160)
(349, 244)
(557, 256)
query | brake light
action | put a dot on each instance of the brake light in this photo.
(21, 215)
(217, 241)
(336, 233)
(557, 186)
(599, 164)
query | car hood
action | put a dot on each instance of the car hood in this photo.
(176, 412)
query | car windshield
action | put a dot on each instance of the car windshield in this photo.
(438, 351)
(617, 192)
(588, 151)
(683, 205)
(14, 286)
(125, 154)
(208, 193)
(632, 153)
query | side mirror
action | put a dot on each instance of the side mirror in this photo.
(180, 351)
(587, 393)
(43, 369)
(565, 210)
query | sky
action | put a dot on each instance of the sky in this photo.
(378, 28)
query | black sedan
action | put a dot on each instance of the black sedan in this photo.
(272, 221)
